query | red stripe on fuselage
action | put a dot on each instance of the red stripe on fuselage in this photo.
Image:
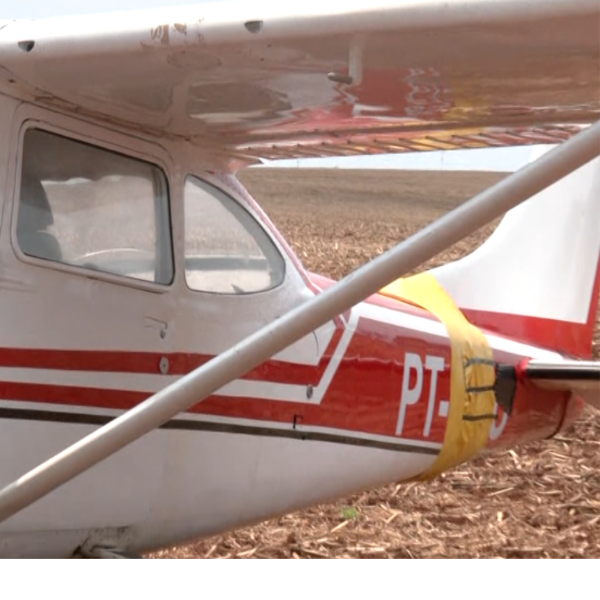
(42, 394)
(273, 371)
(568, 338)
(560, 336)
(364, 394)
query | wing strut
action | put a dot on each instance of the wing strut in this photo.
(276, 336)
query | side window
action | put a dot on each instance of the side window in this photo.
(226, 250)
(88, 207)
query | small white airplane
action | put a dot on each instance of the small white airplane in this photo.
(169, 369)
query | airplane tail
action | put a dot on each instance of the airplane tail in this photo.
(537, 277)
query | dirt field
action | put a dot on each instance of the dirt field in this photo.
(539, 500)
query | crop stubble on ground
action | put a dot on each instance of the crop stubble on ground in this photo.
(538, 500)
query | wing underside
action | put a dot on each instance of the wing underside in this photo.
(260, 81)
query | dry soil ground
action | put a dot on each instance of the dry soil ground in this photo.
(538, 500)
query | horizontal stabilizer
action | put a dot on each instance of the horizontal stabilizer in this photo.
(580, 377)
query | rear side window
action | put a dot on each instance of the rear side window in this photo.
(226, 250)
(84, 206)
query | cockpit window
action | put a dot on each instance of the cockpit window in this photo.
(84, 206)
(226, 250)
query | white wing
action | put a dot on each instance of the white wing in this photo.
(322, 78)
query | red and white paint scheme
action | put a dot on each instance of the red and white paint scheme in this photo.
(130, 256)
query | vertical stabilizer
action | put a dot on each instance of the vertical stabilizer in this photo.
(537, 277)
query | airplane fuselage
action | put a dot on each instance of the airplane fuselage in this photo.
(361, 402)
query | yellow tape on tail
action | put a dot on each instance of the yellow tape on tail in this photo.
(472, 399)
